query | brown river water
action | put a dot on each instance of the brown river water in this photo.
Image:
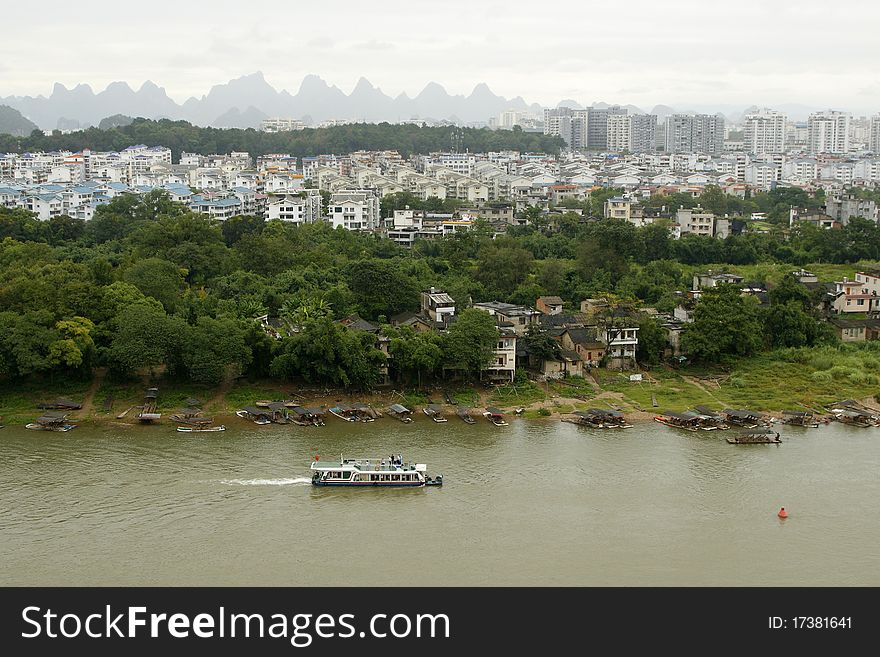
(534, 503)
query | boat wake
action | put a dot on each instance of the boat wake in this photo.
(267, 482)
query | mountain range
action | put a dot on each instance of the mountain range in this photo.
(245, 101)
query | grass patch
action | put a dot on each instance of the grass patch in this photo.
(19, 399)
(245, 393)
(519, 394)
(466, 396)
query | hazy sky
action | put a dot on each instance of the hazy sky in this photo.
(645, 52)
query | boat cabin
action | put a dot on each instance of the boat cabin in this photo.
(392, 471)
(400, 412)
(600, 418)
(799, 419)
(742, 418)
(688, 421)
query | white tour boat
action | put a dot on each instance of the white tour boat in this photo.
(391, 471)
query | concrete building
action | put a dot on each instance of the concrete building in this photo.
(828, 132)
(874, 141)
(597, 125)
(764, 132)
(619, 137)
(695, 133)
(305, 209)
(437, 305)
(281, 125)
(695, 220)
(354, 210)
(642, 133)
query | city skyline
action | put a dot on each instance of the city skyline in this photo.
(673, 55)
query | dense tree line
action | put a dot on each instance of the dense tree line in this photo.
(181, 136)
(147, 284)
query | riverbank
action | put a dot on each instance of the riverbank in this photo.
(794, 379)
(548, 401)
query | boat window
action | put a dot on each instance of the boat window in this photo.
(374, 477)
(395, 477)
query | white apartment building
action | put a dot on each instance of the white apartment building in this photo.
(695, 220)
(765, 132)
(296, 209)
(874, 140)
(619, 133)
(695, 133)
(828, 132)
(762, 175)
(281, 125)
(354, 210)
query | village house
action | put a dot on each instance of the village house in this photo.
(549, 305)
(585, 343)
(853, 297)
(855, 330)
(509, 315)
(437, 306)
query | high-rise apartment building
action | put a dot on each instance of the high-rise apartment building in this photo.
(874, 142)
(764, 132)
(828, 132)
(695, 133)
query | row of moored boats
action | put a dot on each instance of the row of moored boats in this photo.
(280, 412)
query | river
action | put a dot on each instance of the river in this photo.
(535, 503)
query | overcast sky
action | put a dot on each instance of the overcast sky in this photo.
(697, 53)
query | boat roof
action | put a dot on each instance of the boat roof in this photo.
(342, 407)
(253, 410)
(493, 410)
(705, 410)
(399, 408)
(680, 416)
(851, 413)
(52, 416)
(740, 413)
(435, 408)
(797, 413)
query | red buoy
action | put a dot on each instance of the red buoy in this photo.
(782, 513)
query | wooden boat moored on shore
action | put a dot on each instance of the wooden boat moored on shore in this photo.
(854, 418)
(799, 419)
(259, 416)
(495, 416)
(765, 437)
(344, 413)
(688, 422)
(222, 427)
(400, 412)
(308, 416)
(599, 418)
(435, 412)
(742, 418)
(464, 412)
(51, 421)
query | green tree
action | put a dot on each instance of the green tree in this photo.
(211, 346)
(469, 344)
(146, 338)
(652, 341)
(501, 268)
(414, 353)
(725, 324)
(158, 278)
(381, 288)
